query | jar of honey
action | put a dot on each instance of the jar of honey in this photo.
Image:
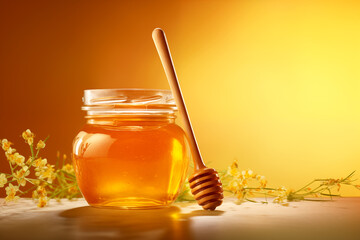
(130, 153)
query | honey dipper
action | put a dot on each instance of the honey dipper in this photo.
(204, 183)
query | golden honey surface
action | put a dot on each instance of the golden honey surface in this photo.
(135, 164)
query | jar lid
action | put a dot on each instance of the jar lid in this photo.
(128, 101)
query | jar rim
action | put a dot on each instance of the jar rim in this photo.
(128, 101)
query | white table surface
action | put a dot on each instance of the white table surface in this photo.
(339, 219)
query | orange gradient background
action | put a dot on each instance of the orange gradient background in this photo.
(274, 84)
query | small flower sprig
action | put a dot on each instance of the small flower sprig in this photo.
(321, 187)
(48, 181)
(245, 185)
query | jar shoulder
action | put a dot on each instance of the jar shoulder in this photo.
(92, 129)
(111, 137)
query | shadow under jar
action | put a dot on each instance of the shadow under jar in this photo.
(130, 153)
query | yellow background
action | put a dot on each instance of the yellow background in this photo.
(274, 84)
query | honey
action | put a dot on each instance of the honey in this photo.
(130, 153)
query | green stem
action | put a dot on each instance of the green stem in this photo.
(305, 186)
(11, 168)
(271, 195)
(30, 189)
(68, 174)
(271, 189)
(57, 162)
(316, 200)
(348, 176)
(37, 152)
(266, 197)
(60, 180)
(330, 193)
(334, 195)
(36, 179)
(32, 151)
(250, 200)
(62, 190)
(315, 189)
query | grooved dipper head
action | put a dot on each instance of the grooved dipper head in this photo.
(206, 187)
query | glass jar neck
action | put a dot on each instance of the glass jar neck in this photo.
(129, 106)
(130, 120)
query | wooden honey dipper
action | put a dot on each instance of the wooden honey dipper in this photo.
(204, 183)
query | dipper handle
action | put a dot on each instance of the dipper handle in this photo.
(162, 47)
(204, 183)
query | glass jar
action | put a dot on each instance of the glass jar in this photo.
(130, 153)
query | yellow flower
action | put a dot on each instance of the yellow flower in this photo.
(68, 168)
(29, 161)
(15, 158)
(35, 195)
(11, 150)
(47, 172)
(234, 164)
(10, 157)
(20, 175)
(41, 194)
(35, 182)
(233, 170)
(250, 192)
(30, 141)
(331, 181)
(18, 159)
(39, 163)
(247, 174)
(5, 144)
(281, 195)
(262, 181)
(41, 191)
(240, 194)
(3, 179)
(290, 191)
(73, 190)
(40, 144)
(281, 198)
(42, 202)
(28, 136)
(236, 185)
(316, 195)
(233, 185)
(11, 193)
